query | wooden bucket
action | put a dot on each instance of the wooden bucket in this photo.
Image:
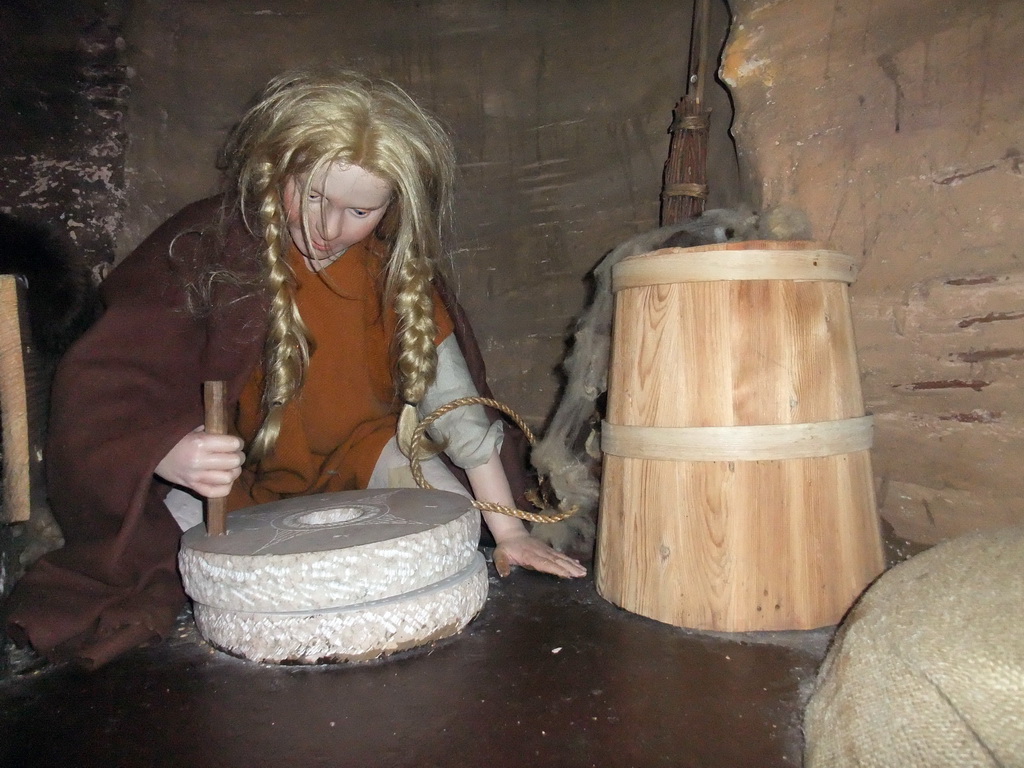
(737, 491)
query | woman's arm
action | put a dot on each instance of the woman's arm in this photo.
(515, 545)
(472, 442)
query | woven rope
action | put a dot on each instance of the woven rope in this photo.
(483, 506)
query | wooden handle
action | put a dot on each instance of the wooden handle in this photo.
(14, 405)
(216, 424)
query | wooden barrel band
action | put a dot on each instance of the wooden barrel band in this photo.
(684, 265)
(740, 443)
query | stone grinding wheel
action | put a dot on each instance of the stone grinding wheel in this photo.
(333, 577)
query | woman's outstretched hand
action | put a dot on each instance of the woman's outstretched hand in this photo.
(528, 552)
(208, 464)
(515, 545)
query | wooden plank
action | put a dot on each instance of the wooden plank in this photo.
(17, 472)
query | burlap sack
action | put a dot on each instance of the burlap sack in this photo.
(928, 668)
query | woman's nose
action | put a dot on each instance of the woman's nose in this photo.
(330, 225)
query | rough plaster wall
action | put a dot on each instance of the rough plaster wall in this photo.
(899, 127)
(63, 98)
(559, 111)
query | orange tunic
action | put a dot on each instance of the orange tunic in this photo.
(333, 432)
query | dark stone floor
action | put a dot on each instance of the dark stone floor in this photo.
(548, 675)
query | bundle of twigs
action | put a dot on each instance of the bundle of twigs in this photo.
(685, 181)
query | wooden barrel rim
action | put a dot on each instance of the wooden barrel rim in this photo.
(691, 265)
(739, 443)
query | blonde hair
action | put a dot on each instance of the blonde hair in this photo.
(303, 122)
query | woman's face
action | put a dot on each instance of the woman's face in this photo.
(344, 206)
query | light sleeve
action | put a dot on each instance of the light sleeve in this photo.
(467, 434)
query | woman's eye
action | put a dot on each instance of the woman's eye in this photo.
(360, 213)
(313, 196)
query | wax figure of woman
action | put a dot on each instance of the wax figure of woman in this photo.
(310, 288)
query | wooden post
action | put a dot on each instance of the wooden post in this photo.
(216, 424)
(24, 389)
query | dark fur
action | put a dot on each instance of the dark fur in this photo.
(62, 299)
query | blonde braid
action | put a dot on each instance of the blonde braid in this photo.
(288, 344)
(417, 354)
(417, 359)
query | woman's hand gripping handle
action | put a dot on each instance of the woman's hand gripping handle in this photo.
(206, 460)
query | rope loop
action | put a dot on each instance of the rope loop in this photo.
(684, 189)
(484, 506)
(699, 122)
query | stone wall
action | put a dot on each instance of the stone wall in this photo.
(899, 127)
